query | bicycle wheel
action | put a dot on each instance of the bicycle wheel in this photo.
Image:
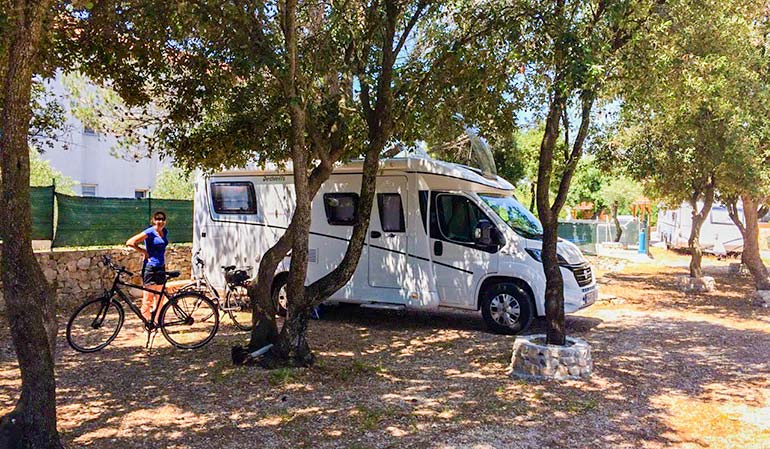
(94, 324)
(238, 306)
(203, 288)
(189, 320)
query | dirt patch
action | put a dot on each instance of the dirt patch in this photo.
(671, 370)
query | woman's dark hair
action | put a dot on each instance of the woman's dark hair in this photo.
(159, 212)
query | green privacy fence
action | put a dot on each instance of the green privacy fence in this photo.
(586, 234)
(87, 221)
(41, 203)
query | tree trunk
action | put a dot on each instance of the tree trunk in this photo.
(549, 213)
(554, 284)
(618, 229)
(30, 303)
(749, 228)
(532, 187)
(292, 346)
(698, 218)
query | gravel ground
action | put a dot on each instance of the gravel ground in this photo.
(671, 370)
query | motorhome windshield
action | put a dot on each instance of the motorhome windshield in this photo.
(517, 216)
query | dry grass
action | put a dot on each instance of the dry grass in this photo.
(671, 370)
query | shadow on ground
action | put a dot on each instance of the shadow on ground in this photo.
(415, 380)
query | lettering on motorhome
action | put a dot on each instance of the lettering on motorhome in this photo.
(274, 178)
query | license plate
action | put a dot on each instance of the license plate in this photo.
(591, 297)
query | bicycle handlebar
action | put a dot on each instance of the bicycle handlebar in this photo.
(114, 267)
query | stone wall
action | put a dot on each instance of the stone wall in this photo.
(77, 275)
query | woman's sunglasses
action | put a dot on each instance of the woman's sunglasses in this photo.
(159, 218)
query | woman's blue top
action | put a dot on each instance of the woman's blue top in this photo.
(156, 246)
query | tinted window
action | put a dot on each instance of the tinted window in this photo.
(391, 212)
(341, 208)
(457, 217)
(233, 198)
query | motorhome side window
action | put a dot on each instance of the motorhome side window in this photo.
(341, 208)
(391, 212)
(233, 197)
(457, 217)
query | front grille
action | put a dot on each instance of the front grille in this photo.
(582, 273)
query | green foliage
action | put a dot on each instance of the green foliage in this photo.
(174, 183)
(587, 184)
(42, 174)
(282, 376)
(620, 191)
(696, 113)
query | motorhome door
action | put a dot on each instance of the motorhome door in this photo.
(387, 234)
(458, 261)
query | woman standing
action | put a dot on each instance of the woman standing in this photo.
(155, 240)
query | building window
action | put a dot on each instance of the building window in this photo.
(88, 189)
(140, 194)
(391, 212)
(341, 208)
(88, 131)
(233, 197)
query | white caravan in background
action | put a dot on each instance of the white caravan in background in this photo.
(718, 235)
(441, 235)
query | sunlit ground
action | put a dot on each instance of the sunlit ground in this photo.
(671, 370)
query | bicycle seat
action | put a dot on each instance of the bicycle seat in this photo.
(172, 274)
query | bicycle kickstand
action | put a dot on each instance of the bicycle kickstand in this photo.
(150, 338)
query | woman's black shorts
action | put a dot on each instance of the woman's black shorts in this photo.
(154, 275)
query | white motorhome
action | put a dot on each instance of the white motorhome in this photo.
(718, 234)
(441, 235)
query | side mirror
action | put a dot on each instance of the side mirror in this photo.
(486, 234)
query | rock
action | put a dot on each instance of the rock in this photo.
(689, 284)
(763, 298)
(738, 269)
(84, 263)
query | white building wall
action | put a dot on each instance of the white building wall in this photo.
(89, 158)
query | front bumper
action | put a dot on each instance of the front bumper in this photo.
(578, 297)
(582, 299)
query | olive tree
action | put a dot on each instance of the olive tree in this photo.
(684, 120)
(309, 83)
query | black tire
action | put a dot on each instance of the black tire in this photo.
(507, 308)
(241, 317)
(278, 293)
(95, 324)
(201, 288)
(189, 320)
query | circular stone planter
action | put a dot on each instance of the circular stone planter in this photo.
(533, 359)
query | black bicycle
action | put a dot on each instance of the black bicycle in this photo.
(236, 301)
(187, 319)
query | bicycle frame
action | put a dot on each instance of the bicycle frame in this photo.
(117, 283)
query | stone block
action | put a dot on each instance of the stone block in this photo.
(689, 284)
(84, 263)
(738, 269)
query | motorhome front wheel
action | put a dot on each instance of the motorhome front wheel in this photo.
(507, 308)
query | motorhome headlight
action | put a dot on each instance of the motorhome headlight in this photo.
(537, 254)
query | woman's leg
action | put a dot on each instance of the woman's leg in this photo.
(149, 300)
